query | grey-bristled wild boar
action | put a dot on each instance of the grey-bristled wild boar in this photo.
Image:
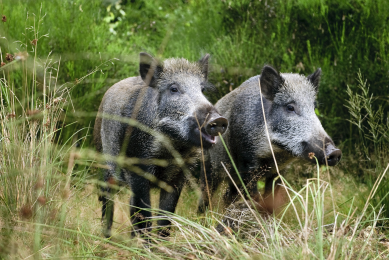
(294, 130)
(168, 98)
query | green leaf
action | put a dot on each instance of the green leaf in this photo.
(317, 112)
(260, 185)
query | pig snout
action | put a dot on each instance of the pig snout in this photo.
(332, 154)
(325, 151)
(216, 125)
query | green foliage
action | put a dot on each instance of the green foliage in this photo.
(373, 136)
(372, 125)
(341, 37)
(75, 37)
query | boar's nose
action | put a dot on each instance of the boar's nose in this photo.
(216, 126)
(333, 155)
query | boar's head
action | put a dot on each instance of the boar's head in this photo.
(184, 113)
(293, 123)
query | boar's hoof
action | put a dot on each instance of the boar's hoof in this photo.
(107, 233)
(164, 232)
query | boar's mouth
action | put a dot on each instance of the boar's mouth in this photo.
(207, 138)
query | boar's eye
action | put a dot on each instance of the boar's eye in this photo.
(173, 89)
(290, 108)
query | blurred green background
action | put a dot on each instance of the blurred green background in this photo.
(341, 37)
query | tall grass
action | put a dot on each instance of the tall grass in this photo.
(35, 172)
(78, 36)
(373, 136)
(48, 200)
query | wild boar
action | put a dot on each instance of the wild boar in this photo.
(168, 98)
(294, 130)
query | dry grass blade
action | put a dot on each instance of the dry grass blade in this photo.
(274, 158)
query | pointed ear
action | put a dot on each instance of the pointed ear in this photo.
(203, 62)
(314, 78)
(149, 68)
(271, 81)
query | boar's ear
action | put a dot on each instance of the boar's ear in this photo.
(271, 81)
(203, 62)
(314, 78)
(149, 68)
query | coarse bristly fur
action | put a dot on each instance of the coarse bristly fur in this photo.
(181, 65)
(294, 130)
(167, 98)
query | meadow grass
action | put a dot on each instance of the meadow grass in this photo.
(48, 197)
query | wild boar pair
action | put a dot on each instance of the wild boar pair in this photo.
(168, 98)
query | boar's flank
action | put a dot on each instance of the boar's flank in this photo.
(167, 97)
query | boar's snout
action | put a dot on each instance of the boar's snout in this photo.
(333, 155)
(216, 125)
(330, 155)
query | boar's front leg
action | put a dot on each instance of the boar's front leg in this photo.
(249, 181)
(209, 183)
(230, 195)
(140, 203)
(274, 197)
(168, 202)
(107, 211)
(106, 198)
